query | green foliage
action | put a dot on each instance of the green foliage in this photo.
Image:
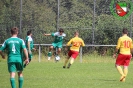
(40, 16)
(110, 29)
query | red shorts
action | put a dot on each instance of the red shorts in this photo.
(73, 54)
(123, 60)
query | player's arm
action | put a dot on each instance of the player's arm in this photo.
(131, 47)
(47, 34)
(25, 52)
(131, 51)
(68, 44)
(34, 49)
(82, 43)
(26, 56)
(117, 48)
(116, 51)
(2, 48)
(29, 49)
(2, 55)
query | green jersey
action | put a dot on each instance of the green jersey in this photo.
(58, 38)
(14, 46)
(29, 39)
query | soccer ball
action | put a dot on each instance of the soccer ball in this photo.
(57, 58)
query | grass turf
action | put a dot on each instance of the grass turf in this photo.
(94, 72)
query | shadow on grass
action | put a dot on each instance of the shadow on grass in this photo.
(105, 80)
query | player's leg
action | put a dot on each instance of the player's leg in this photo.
(71, 62)
(58, 51)
(19, 68)
(72, 58)
(66, 60)
(50, 51)
(12, 79)
(12, 70)
(57, 57)
(120, 62)
(20, 79)
(59, 47)
(120, 70)
(125, 70)
(126, 64)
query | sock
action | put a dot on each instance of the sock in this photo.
(49, 54)
(125, 71)
(12, 81)
(120, 70)
(20, 82)
(72, 61)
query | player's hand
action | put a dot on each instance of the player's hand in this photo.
(3, 56)
(114, 55)
(26, 61)
(34, 49)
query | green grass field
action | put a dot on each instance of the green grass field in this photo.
(93, 72)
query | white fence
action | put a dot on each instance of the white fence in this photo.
(80, 54)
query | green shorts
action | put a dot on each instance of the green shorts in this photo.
(15, 67)
(57, 45)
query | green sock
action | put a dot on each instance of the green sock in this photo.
(12, 81)
(20, 82)
(49, 54)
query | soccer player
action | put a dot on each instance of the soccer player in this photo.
(15, 46)
(29, 45)
(124, 44)
(58, 42)
(76, 42)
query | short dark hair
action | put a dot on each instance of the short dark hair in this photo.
(61, 30)
(14, 30)
(125, 31)
(29, 32)
(76, 32)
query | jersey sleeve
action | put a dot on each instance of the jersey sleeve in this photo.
(3, 46)
(23, 44)
(82, 43)
(54, 34)
(64, 35)
(69, 43)
(29, 39)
